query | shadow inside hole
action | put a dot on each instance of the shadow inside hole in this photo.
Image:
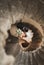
(11, 38)
(11, 47)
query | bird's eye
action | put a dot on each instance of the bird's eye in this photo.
(25, 29)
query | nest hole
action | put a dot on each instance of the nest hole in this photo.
(37, 37)
(11, 41)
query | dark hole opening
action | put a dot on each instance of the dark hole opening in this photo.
(10, 44)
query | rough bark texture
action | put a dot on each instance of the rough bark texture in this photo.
(10, 12)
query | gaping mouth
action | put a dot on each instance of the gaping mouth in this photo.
(25, 44)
